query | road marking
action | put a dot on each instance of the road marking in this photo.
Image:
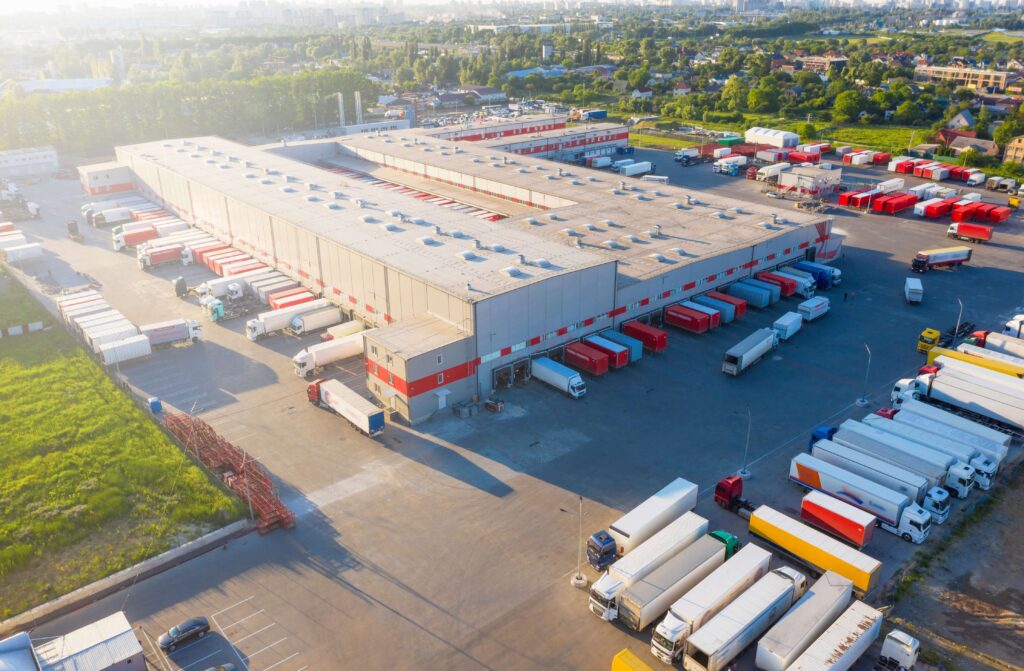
(185, 647)
(304, 668)
(374, 473)
(237, 653)
(244, 619)
(234, 604)
(251, 655)
(201, 659)
(282, 661)
(156, 651)
(253, 633)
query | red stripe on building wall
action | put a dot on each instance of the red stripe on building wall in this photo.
(588, 322)
(388, 378)
(562, 331)
(424, 384)
(337, 292)
(804, 245)
(505, 351)
(533, 341)
(666, 294)
(750, 264)
(787, 250)
(369, 308)
(645, 301)
(303, 274)
(689, 285)
(771, 257)
(730, 271)
(617, 311)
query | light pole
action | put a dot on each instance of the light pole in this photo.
(956, 333)
(863, 400)
(744, 472)
(578, 580)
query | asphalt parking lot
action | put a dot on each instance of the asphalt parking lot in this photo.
(448, 544)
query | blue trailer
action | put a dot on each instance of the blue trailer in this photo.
(727, 310)
(754, 296)
(821, 276)
(635, 347)
(773, 289)
(835, 275)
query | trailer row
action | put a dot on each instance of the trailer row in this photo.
(14, 247)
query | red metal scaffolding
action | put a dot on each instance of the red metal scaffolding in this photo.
(243, 474)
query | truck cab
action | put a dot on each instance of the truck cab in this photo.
(928, 339)
(915, 523)
(212, 308)
(601, 550)
(899, 651)
(960, 479)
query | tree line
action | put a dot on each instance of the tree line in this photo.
(88, 122)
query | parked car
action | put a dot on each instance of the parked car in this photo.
(195, 627)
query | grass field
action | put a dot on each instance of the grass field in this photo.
(648, 141)
(882, 138)
(90, 484)
(1003, 38)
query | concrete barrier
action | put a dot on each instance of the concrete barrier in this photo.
(104, 587)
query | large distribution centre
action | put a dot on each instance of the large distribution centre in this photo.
(458, 297)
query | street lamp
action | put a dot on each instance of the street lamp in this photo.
(956, 333)
(863, 400)
(744, 472)
(578, 580)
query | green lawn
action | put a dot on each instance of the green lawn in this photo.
(882, 138)
(90, 484)
(1003, 38)
(648, 141)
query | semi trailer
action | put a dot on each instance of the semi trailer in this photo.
(844, 642)
(838, 518)
(979, 402)
(749, 351)
(315, 357)
(314, 321)
(174, 331)
(267, 323)
(339, 399)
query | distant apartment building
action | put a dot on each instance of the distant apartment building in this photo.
(1015, 150)
(28, 162)
(821, 64)
(973, 78)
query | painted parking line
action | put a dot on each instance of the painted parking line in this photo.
(268, 647)
(238, 654)
(156, 651)
(243, 619)
(253, 633)
(200, 659)
(294, 654)
(239, 603)
(185, 647)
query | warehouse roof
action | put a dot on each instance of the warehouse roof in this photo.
(412, 337)
(16, 653)
(554, 133)
(436, 244)
(94, 647)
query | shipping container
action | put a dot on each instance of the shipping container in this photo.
(634, 346)
(586, 358)
(618, 355)
(319, 355)
(755, 296)
(788, 325)
(686, 319)
(749, 351)
(739, 305)
(654, 339)
(969, 232)
(725, 310)
(774, 290)
(169, 332)
(305, 324)
(335, 396)
(120, 351)
(713, 315)
(787, 286)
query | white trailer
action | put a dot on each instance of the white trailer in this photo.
(770, 171)
(98, 318)
(319, 355)
(896, 513)
(13, 240)
(979, 402)
(649, 598)
(725, 636)
(843, 643)
(990, 354)
(914, 486)
(279, 284)
(806, 287)
(173, 331)
(823, 603)
(345, 329)
(813, 308)
(970, 372)
(706, 599)
(270, 322)
(942, 423)
(788, 325)
(85, 309)
(652, 553)
(634, 169)
(109, 333)
(313, 321)
(341, 400)
(749, 351)
(22, 253)
(219, 287)
(120, 351)
(1007, 344)
(562, 378)
(984, 468)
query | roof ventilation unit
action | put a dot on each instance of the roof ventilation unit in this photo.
(552, 176)
(359, 202)
(736, 210)
(477, 160)
(458, 150)
(538, 167)
(590, 227)
(266, 181)
(719, 215)
(313, 199)
(615, 192)
(249, 175)
(224, 166)
(476, 244)
(608, 222)
(367, 219)
(466, 255)
(288, 189)
(457, 234)
(211, 161)
(332, 206)
(640, 196)
(291, 178)
(523, 171)
(631, 238)
(543, 263)
(496, 248)
(181, 150)
(393, 228)
(186, 143)
(532, 221)
(337, 195)
(679, 250)
(394, 214)
(418, 221)
(438, 231)
(576, 182)
(658, 257)
(611, 244)
(522, 260)
(426, 241)
(234, 159)
(511, 271)
(591, 178)
(678, 205)
(571, 233)
(554, 217)
(312, 186)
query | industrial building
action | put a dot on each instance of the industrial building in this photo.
(462, 301)
(105, 645)
(28, 162)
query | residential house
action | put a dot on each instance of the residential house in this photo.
(448, 101)
(947, 135)
(963, 144)
(1015, 150)
(961, 121)
(484, 95)
(681, 89)
(642, 93)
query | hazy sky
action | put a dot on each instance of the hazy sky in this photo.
(15, 6)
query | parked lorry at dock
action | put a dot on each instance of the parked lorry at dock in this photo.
(814, 308)
(119, 351)
(726, 311)
(936, 258)
(584, 357)
(174, 331)
(941, 469)
(978, 402)
(618, 355)
(649, 598)
(816, 610)
(828, 276)
(267, 323)
(755, 296)
(654, 339)
(640, 523)
(562, 378)
(315, 357)
(838, 518)
(715, 645)
(814, 549)
(706, 599)
(749, 351)
(969, 232)
(774, 290)
(788, 325)
(990, 442)
(896, 513)
(634, 346)
(336, 397)
(649, 555)
(805, 286)
(314, 321)
(844, 642)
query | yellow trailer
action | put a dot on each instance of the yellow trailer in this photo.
(627, 661)
(1004, 367)
(814, 549)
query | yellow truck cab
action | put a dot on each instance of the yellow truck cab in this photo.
(627, 661)
(927, 340)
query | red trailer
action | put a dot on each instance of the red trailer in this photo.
(278, 296)
(150, 214)
(293, 300)
(838, 518)
(687, 319)
(878, 204)
(786, 284)
(881, 158)
(865, 199)
(218, 264)
(844, 197)
(940, 209)
(964, 213)
(738, 303)
(216, 261)
(590, 359)
(957, 172)
(803, 157)
(199, 252)
(970, 232)
(160, 255)
(7, 227)
(654, 339)
(238, 270)
(208, 259)
(617, 358)
(900, 203)
(905, 167)
(999, 214)
(134, 238)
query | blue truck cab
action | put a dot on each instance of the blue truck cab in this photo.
(821, 433)
(601, 550)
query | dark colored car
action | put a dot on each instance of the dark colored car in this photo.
(195, 627)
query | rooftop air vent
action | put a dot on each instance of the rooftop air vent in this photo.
(590, 227)
(554, 217)
(523, 171)
(418, 221)
(313, 199)
(496, 247)
(679, 250)
(477, 160)
(615, 192)
(200, 147)
(591, 178)
(458, 150)
(576, 182)
(679, 206)
(657, 194)
(658, 257)
(631, 238)
(249, 175)
(186, 143)
(607, 222)
(388, 140)
(394, 214)
(312, 186)
(736, 210)
(455, 233)
(332, 206)
(719, 215)
(466, 255)
(233, 159)
(543, 263)
(511, 271)
(426, 241)
(337, 195)
(393, 228)
(552, 176)
(271, 171)
(496, 165)
(367, 219)
(288, 189)
(211, 160)
(571, 233)
(538, 167)
(291, 178)
(167, 145)
(611, 244)
(406, 144)
(640, 196)
(532, 221)
(224, 166)
(266, 181)
(359, 202)
(181, 150)
(193, 155)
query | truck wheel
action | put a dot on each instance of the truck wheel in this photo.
(906, 537)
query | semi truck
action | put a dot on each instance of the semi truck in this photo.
(640, 523)
(649, 555)
(805, 286)
(978, 402)
(315, 357)
(814, 308)
(119, 351)
(935, 258)
(314, 321)
(218, 288)
(984, 468)
(159, 255)
(816, 610)
(941, 469)
(707, 599)
(649, 598)
(749, 351)
(339, 399)
(174, 331)
(814, 549)
(715, 645)
(990, 442)
(838, 518)
(969, 232)
(267, 323)
(834, 275)
(562, 378)
(843, 643)
(896, 513)
(998, 342)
